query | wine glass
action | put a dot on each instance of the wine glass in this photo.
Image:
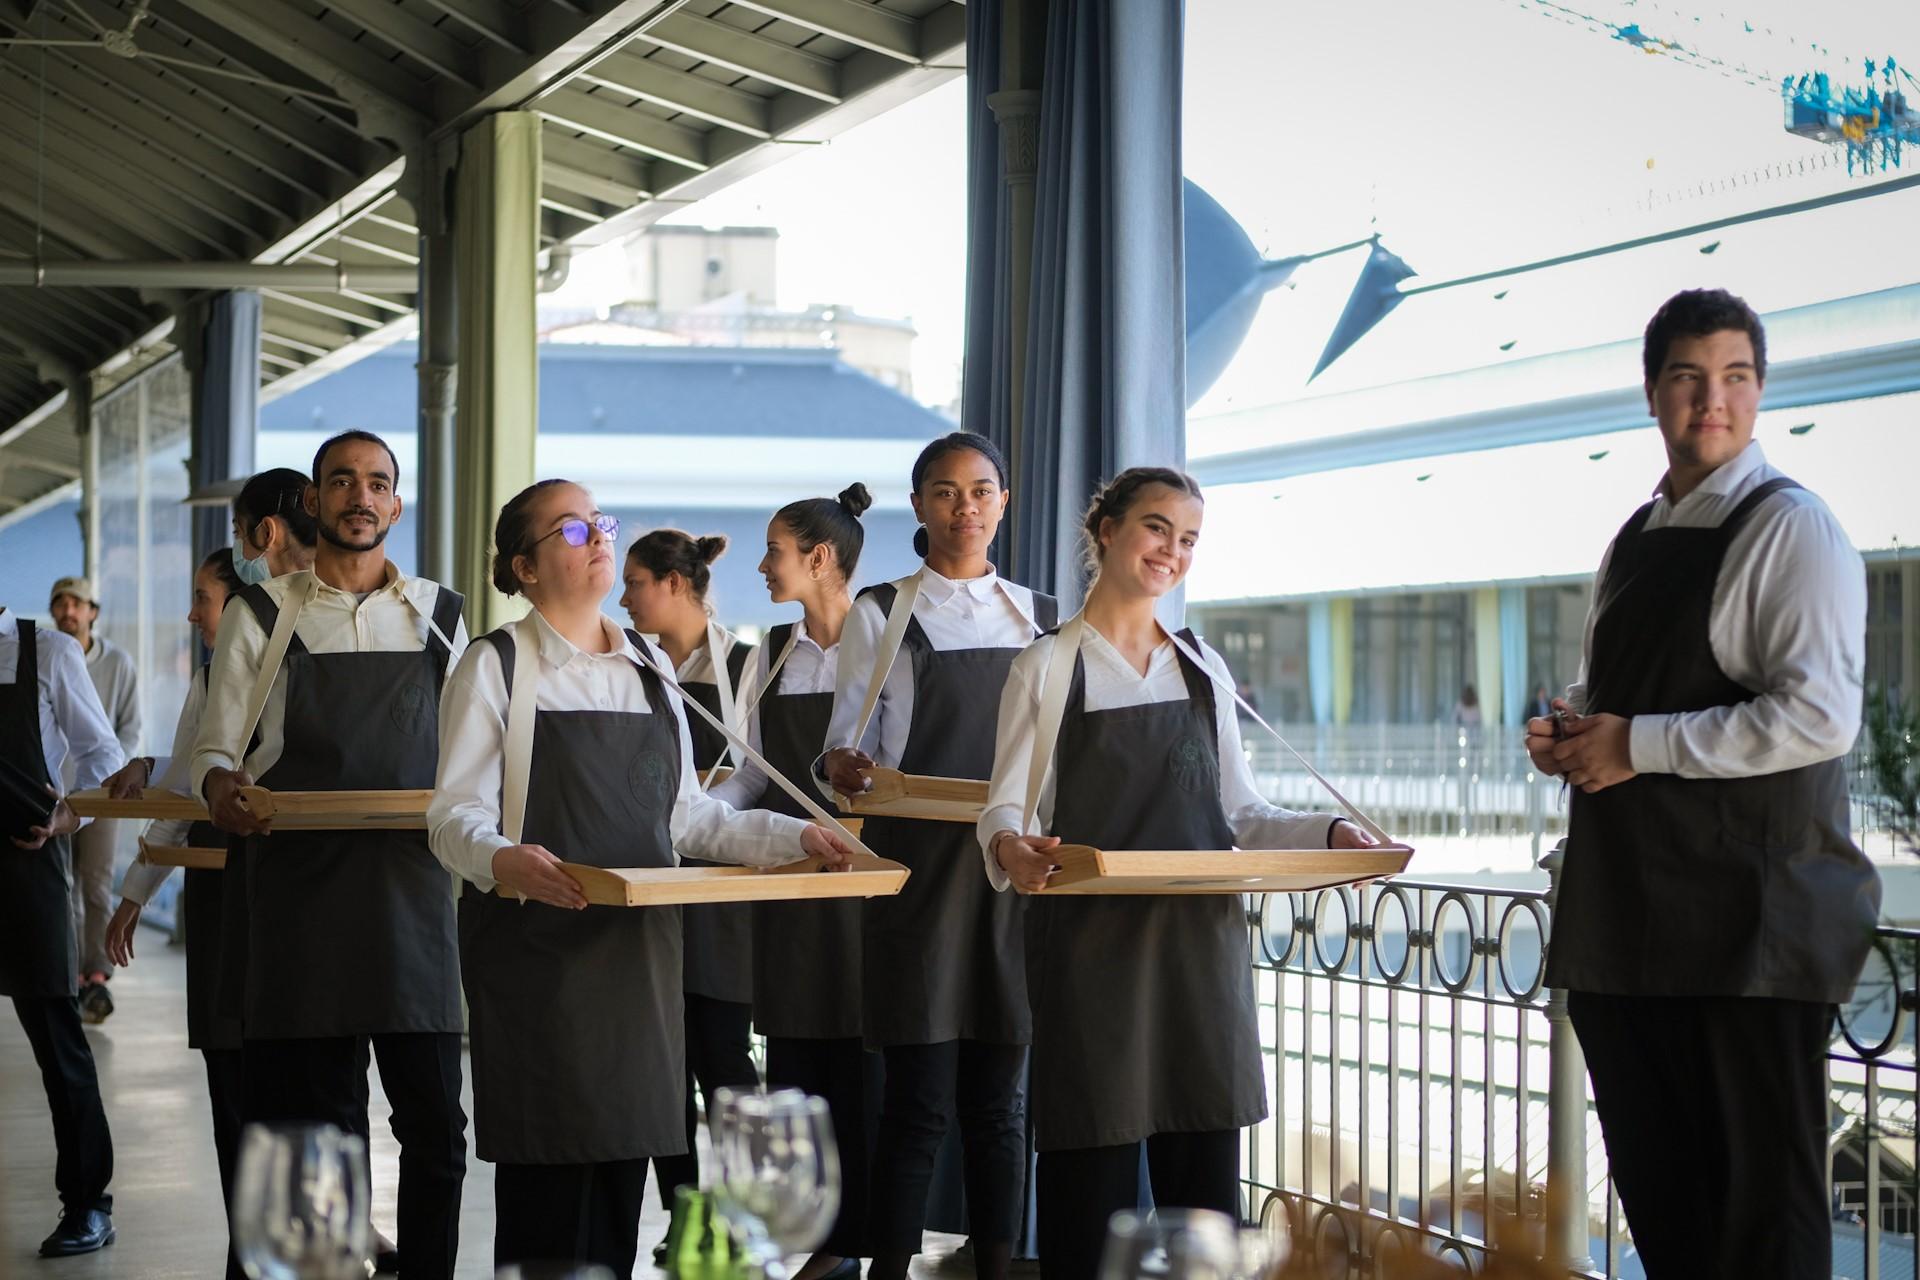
(778, 1180)
(1171, 1244)
(301, 1203)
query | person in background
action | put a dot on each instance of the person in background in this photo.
(75, 607)
(53, 726)
(1539, 705)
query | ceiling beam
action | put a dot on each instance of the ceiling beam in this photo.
(425, 43)
(778, 64)
(855, 21)
(490, 19)
(680, 91)
(600, 115)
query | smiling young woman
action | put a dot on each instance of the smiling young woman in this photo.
(1148, 757)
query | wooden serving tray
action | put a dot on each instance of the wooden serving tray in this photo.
(163, 855)
(1086, 870)
(870, 877)
(912, 795)
(287, 810)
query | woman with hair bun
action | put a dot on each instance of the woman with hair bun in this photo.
(666, 577)
(944, 985)
(806, 955)
(1144, 1020)
(575, 1011)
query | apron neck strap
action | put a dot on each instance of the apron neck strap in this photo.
(523, 697)
(890, 639)
(1053, 710)
(299, 590)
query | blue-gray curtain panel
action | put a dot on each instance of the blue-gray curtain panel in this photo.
(984, 376)
(226, 406)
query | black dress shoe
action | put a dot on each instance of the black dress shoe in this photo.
(386, 1257)
(79, 1232)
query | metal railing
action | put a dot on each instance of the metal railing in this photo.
(1428, 1094)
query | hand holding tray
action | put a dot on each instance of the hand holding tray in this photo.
(894, 794)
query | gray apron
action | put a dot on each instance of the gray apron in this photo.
(943, 958)
(1143, 1013)
(1701, 886)
(578, 1050)
(351, 932)
(36, 913)
(208, 1027)
(806, 955)
(719, 939)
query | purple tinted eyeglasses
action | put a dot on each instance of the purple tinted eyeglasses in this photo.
(577, 531)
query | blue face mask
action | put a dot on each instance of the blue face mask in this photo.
(252, 572)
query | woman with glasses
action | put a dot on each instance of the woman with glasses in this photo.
(575, 1011)
(666, 577)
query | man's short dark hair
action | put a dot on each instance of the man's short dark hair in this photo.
(368, 436)
(1695, 313)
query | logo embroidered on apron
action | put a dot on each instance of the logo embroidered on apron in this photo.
(1191, 765)
(652, 782)
(409, 710)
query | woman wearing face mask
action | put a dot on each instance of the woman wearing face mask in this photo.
(575, 1012)
(806, 955)
(1144, 1027)
(945, 990)
(666, 579)
(269, 523)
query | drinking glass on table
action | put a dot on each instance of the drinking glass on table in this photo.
(301, 1204)
(1171, 1244)
(778, 1179)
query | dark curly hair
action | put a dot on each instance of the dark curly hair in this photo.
(665, 551)
(953, 442)
(1695, 313)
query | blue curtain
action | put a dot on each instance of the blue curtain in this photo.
(226, 405)
(1106, 355)
(1514, 690)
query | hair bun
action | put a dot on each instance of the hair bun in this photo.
(855, 499)
(710, 547)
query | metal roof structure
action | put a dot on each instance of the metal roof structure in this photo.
(157, 132)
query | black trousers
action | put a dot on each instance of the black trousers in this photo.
(850, 1079)
(719, 1056)
(568, 1213)
(324, 1081)
(1081, 1189)
(226, 1092)
(83, 1146)
(1740, 1087)
(980, 1083)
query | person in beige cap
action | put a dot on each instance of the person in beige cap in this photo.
(75, 607)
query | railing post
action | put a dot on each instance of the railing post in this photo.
(1568, 1240)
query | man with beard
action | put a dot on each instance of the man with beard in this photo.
(75, 607)
(349, 935)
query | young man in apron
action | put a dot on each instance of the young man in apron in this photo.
(1713, 909)
(50, 717)
(349, 935)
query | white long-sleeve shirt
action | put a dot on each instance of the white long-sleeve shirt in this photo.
(73, 725)
(977, 613)
(392, 619)
(143, 879)
(809, 669)
(463, 821)
(1111, 682)
(1788, 620)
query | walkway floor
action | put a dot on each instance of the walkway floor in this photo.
(166, 1188)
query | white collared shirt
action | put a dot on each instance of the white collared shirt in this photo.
(392, 619)
(1111, 682)
(143, 879)
(1788, 620)
(987, 612)
(463, 821)
(73, 725)
(808, 669)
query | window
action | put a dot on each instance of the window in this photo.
(1887, 641)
